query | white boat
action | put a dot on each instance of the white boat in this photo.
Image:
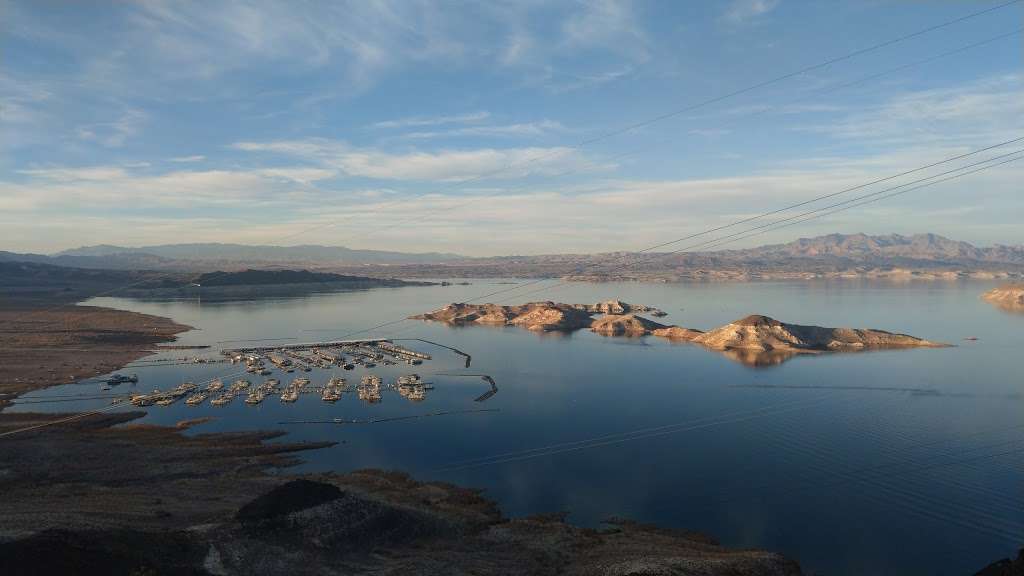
(197, 398)
(255, 397)
(223, 399)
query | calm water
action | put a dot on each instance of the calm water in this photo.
(896, 462)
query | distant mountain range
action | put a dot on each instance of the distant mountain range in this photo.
(830, 255)
(243, 252)
(214, 256)
(863, 247)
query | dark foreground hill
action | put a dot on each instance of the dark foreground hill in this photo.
(223, 511)
(46, 282)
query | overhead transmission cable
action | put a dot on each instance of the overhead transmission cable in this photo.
(665, 116)
(739, 222)
(628, 128)
(799, 218)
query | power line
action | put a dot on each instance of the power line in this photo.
(650, 121)
(713, 243)
(689, 108)
(420, 215)
(877, 199)
(745, 220)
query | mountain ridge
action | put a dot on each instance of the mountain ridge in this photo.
(230, 251)
(925, 256)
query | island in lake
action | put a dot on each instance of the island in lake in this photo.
(756, 339)
(1008, 297)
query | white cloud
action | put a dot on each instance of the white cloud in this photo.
(114, 187)
(744, 11)
(114, 134)
(986, 110)
(710, 132)
(609, 25)
(467, 118)
(193, 158)
(96, 173)
(524, 129)
(541, 219)
(440, 166)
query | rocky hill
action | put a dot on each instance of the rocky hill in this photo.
(765, 334)
(625, 325)
(536, 316)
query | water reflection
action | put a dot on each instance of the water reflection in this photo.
(758, 358)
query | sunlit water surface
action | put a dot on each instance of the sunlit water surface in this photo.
(895, 462)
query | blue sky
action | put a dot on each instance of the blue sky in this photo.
(477, 128)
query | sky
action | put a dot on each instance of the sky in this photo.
(487, 128)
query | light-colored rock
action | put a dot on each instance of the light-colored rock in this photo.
(677, 333)
(767, 334)
(618, 307)
(625, 325)
(1009, 297)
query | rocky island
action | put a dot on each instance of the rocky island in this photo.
(1008, 296)
(756, 339)
(537, 316)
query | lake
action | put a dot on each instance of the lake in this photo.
(891, 462)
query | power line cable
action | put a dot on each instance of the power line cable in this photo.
(695, 106)
(654, 144)
(745, 220)
(728, 239)
(671, 114)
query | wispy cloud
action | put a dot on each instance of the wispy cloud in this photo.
(985, 110)
(118, 187)
(546, 218)
(745, 11)
(608, 24)
(438, 166)
(114, 134)
(193, 158)
(416, 121)
(523, 129)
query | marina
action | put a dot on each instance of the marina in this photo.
(265, 360)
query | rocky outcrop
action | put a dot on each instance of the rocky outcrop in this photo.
(548, 317)
(1009, 297)
(375, 522)
(677, 333)
(536, 316)
(625, 325)
(619, 307)
(767, 334)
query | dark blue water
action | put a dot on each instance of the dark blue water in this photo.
(895, 462)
